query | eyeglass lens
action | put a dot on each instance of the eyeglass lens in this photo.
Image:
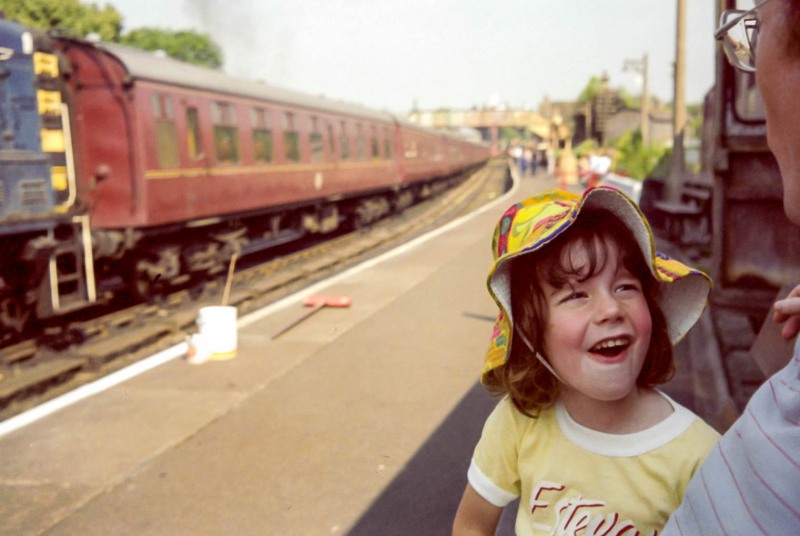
(740, 41)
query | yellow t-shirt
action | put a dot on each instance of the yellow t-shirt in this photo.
(572, 480)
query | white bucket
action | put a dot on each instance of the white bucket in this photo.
(217, 334)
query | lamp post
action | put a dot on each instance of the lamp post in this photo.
(679, 99)
(674, 181)
(640, 66)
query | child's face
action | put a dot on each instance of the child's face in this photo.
(598, 330)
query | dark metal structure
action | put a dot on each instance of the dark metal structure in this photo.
(755, 248)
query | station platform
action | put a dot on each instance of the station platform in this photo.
(359, 420)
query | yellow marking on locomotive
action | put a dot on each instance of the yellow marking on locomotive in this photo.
(49, 102)
(53, 141)
(44, 63)
(268, 170)
(58, 177)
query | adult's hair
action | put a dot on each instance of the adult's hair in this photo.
(528, 383)
(792, 27)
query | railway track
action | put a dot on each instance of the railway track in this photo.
(83, 350)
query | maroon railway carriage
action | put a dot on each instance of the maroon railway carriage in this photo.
(180, 166)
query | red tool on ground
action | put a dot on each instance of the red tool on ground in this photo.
(316, 302)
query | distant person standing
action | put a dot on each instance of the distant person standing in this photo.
(750, 483)
(599, 166)
(527, 158)
(517, 155)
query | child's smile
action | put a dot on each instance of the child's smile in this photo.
(612, 348)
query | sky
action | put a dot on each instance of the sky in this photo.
(396, 54)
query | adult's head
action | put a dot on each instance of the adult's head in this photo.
(777, 62)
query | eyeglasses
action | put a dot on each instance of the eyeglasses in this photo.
(738, 30)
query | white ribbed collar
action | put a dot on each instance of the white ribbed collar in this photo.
(626, 445)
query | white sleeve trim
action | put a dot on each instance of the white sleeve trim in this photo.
(487, 489)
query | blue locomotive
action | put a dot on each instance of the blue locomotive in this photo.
(43, 258)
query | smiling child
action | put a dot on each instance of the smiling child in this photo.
(588, 316)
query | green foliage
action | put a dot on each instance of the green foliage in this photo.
(696, 124)
(663, 166)
(636, 161)
(586, 147)
(184, 45)
(626, 99)
(508, 134)
(70, 15)
(591, 91)
(79, 20)
(694, 109)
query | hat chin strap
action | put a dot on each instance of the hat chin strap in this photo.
(541, 358)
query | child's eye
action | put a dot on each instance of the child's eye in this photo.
(574, 295)
(629, 286)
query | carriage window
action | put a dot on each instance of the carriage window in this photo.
(262, 135)
(162, 106)
(193, 133)
(166, 133)
(387, 144)
(315, 139)
(331, 148)
(376, 150)
(226, 135)
(344, 142)
(317, 148)
(360, 148)
(291, 140)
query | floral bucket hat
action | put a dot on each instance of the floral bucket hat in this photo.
(531, 224)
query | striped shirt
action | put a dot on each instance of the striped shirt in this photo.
(750, 483)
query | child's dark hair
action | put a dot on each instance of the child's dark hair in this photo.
(527, 382)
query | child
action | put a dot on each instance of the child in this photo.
(588, 316)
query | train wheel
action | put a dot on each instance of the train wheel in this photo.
(403, 200)
(145, 281)
(370, 210)
(361, 218)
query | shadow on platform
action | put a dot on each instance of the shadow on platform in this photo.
(422, 500)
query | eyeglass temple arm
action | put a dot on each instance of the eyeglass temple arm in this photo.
(733, 22)
(720, 32)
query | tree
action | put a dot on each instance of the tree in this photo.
(69, 15)
(591, 91)
(635, 161)
(184, 45)
(595, 87)
(626, 99)
(80, 20)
